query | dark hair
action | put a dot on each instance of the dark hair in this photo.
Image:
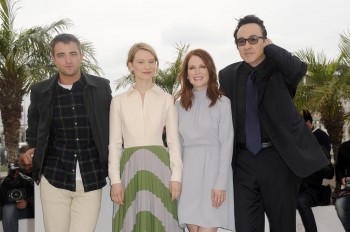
(23, 149)
(250, 19)
(307, 116)
(64, 38)
(185, 92)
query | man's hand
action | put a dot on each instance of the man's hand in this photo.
(21, 204)
(26, 160)
(267, 41)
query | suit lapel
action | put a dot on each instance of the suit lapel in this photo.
(234, 83)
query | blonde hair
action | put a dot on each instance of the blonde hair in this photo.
(141, 46)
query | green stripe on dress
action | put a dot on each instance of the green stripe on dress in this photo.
(144, 180)
(158, 151)
(145, 221)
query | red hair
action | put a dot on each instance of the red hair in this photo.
(185, 92)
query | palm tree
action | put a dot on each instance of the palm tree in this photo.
(25, 59)
(167, 78)
(325, 87)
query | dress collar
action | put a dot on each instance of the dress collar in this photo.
(201, 94)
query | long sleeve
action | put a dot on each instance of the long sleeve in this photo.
(177, 104)
(173, 141)
(326, 172)
(134, 122)
(33, 118)
(292, 68)
(226, 143)
(115, 141)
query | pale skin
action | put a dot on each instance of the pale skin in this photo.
(67, 58)
(198, 76)
(144, 68)
(252, 54)
(217, 197)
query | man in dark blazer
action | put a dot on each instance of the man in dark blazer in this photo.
(312, 193)
(266, 180)
(68, 131)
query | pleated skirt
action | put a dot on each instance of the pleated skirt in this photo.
(145, 175)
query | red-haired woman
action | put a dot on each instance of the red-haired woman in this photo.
(206, 135)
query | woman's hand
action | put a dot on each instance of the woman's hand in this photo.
(117, 193)
(217, 197)
(175, 189)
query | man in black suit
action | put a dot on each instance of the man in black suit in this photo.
(273, 146)
(312, 193)
(321, 136)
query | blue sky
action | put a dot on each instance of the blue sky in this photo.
(114, 25)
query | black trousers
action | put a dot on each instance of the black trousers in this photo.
(306, 200)
(264, 184)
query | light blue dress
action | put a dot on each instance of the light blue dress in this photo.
(206, 135)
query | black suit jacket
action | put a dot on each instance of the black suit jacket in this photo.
(280, 118)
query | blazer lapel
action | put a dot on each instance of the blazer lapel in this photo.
(234, 83)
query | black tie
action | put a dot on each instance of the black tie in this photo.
(252, 124)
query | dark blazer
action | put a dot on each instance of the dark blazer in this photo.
(280, 118)
(97, 98)
(342, 167)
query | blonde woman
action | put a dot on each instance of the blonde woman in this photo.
(145, 177)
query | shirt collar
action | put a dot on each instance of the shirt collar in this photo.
(79, 84)
(155, 89)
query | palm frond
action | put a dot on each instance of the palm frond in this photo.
(124, 81)
(344, 47)
(326, 87)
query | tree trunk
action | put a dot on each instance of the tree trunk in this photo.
(11, 110)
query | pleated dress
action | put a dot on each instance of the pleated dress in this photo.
(206, 135)
(144, 166)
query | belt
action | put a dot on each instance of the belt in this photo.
(243, 146)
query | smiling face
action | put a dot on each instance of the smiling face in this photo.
(143, 65)
(251, 54)
(67, 58)
(197, 73)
